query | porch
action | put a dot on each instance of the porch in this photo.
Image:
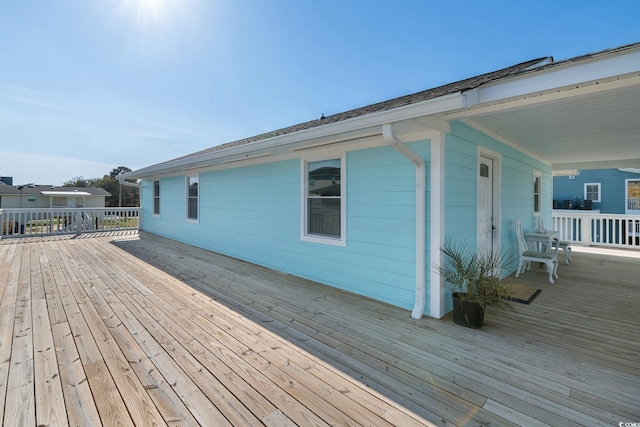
(116, 328)
(51, 221)
(604, 230)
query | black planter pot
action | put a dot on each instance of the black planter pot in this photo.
(468, 314)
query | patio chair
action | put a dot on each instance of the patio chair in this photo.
(550, 259)
(562, 244)
(566, 249)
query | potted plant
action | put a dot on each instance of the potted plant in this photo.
(475, 281)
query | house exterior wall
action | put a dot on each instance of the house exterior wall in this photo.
(254, 213)
(95, 202)
(612, 188)
(10, 202)
(516, 190)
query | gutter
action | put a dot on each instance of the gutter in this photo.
(421, 181)
(121, 181)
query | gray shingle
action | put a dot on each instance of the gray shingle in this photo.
(391, 104)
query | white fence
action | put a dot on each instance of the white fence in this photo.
(618, 231)
(44, 222)
(633, 204)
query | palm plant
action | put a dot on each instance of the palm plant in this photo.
(475, 278)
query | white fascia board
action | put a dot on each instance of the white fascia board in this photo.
(560, 76)
(555, 94)
(429, 107)
(65, 193)
(630, 170)
(603, 164)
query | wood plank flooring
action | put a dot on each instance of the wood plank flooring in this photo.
(128, 329)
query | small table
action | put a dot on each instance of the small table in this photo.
(543, 238)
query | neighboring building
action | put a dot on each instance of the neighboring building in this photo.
(47, 196)
(611, 191)
(364, 200)
(8, 180)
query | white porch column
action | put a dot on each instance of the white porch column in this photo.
(436, 230)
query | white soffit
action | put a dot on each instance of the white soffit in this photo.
(587, 124)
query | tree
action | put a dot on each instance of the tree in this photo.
(119, 171)
(80, 181)
(128, 195)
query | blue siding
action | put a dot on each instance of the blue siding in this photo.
(253, 213)
(516, 188)
(612, 188)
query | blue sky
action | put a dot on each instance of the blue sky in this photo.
(89, 85)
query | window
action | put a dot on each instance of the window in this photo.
(592, 191)
(537, 188)
(484, 170)
(156, 197)
(192, 197)
(324, 213)
(633, 197)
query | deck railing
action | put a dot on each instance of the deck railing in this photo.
(618, 231)
(633, 204)
(50, 221)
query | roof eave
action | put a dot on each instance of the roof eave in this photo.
(560, 79)
(450, 102)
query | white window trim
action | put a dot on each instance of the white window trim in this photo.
(627, 209)
(186, 199)
(537, 174)
(597, 184)
(153, 197)
(334, 241)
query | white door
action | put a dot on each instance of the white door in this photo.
(486, 226)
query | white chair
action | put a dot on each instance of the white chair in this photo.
(550, 259)
(562, 244)
(566, 248)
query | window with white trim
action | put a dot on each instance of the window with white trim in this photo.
(632, 195)
(537, 189)
(592, 191)
(192, 197)
(324, 206)
(156, 197)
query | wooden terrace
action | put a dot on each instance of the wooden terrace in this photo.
(127, 329)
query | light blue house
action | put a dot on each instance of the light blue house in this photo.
(611, 191)
(364, 200)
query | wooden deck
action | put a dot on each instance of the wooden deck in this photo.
(129, 330)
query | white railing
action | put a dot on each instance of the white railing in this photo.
(44, 222)
(618, 231)
(633, 204)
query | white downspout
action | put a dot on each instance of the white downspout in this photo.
(421, 181)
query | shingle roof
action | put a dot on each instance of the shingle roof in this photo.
(523, 68)
(424, 95)
(580, 58)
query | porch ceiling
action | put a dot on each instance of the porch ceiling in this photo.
(598, 129)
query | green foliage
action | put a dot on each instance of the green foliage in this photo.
(80, 181)
(475, 276)
(129, 195)
(118, 171)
